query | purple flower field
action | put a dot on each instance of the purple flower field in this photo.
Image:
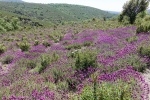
(88, 65)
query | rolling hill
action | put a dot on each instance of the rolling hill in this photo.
(11, 0)
(55, 13)
(148, 11)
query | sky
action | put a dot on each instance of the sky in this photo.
(109, 5)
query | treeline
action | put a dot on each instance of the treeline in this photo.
(9, 24)
(17, 23)
(54, 13)
(135, 12)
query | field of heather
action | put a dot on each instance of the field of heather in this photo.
(80, 64)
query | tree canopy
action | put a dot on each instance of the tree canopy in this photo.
(132, 8)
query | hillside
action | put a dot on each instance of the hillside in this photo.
(148, 11)
(55, 13)
(11, 0)
(114, 12)
(70, 62)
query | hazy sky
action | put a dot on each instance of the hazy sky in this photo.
(110, 5)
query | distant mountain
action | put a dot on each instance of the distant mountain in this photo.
(11, 0)
(148, 11)
(55, 13)
(114, 12)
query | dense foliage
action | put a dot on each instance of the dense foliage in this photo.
(107, 64)
(11, 0)
(9, 24)
(56, 13)
(87, 60)
(132, 8)
(143, 24)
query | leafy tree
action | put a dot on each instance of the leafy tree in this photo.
(132, 8)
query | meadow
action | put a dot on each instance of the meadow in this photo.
(91, 60)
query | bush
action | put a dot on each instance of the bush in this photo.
(85, 59)
(143, 25)
(31, 64)
(134, 60)
(144, 51)
(73, 46)
(24, 46)
(132, 39)
(57, 75)
(7, 59)
(126, 20)
(62, 86)
(107, 91)
(46, 44)
(45, 60)
(56, 36)
(36, 42)
(2, 49)
(87, 43)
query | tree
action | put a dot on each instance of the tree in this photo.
(132, 8)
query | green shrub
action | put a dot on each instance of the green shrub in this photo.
(143, 25)
(31, 64)
(126, 20)
(56, 36)
(36, 42)
(2, 29)
(107, 91)
(71, 83)
(24, 46)
(77, 45)
(2, 49)
(72, 54)
(24, 38)
(130, 60)
(85, 59)
(87, 43)
(144, 51)
(73, 46)
(62, 86)
(45, 61)
(57, 75)
(46, 44)
(132, 39)
(7, 59)
(27, 63)
(54, 57)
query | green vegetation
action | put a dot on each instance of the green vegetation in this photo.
(143, 24)
(85, 59)
(24, 46)
(144, 50)
(9, 24)
(7, 59)
(134, 12)
(44, 61)
(12, 0)
(56, 13)
(132, 39)
(46, 44)
(36, 42)
(71, 52)
(2, 49)
(132, 8)
(106, 91)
